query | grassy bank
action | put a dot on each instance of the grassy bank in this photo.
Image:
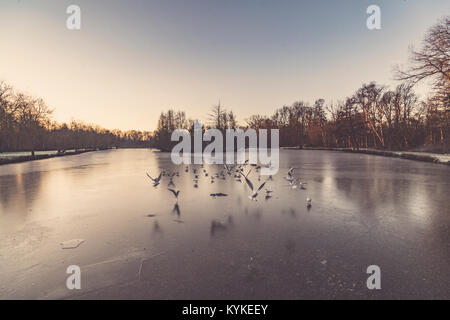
(7, 159)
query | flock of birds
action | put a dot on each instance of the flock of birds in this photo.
(237, 172)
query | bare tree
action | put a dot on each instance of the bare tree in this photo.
(368, 97)
(216, 116)
(232, 121)
(432, 61)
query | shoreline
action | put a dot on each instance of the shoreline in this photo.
(20, 159)
(409, 155)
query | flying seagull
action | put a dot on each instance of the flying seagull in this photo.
(175, 193)
(156, 180)
(250, 185)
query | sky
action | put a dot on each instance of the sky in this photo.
(133, 59)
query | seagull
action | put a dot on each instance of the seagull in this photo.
(308, 202)
(175, 193)
(171, 174)
(293, 183)
(219, 194)
(290, 176)
(156, 181)
(254, 192)
(256, 166)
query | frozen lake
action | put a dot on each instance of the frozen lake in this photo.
(366, 210)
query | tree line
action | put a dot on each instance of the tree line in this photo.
(375, 116)
(26, 125)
